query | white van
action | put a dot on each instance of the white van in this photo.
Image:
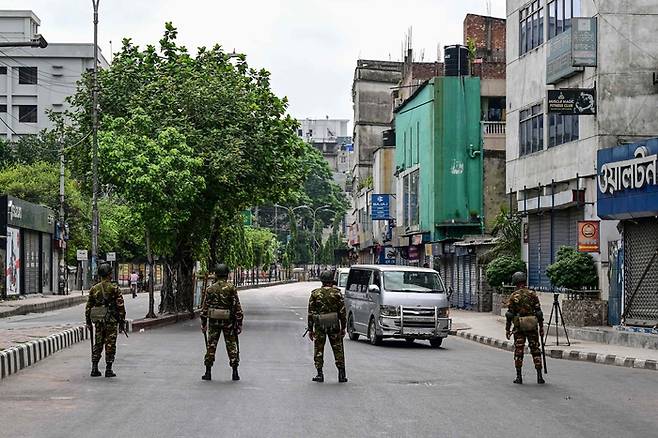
(341, 279)
(404, 302)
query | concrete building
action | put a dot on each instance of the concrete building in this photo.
(34, 81)
(551, 158)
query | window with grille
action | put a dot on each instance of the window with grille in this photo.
(27, 113)
(560, 14)
(531, 27)
(562, 129)
(531, 130)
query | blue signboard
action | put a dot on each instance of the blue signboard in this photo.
(628, 181)
(380, 207)
(387, 256)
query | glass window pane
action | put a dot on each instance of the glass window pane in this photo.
(551, 19)
(560, 129)
(551, 130)
(535, 134)
(576, 9)
(405, 201)
(528, 27)
(541, 26)
(575, 121)
(528, 136)
(567, 14)
(567, 129)
(522, 46)
(535, 30)
(521, 138)
(560, 16)
(541, 132)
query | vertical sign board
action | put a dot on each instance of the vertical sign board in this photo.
(380, 207)
(588, 236)
(387, 255)
(583, 42)
(13, 264)
(82, 255)
(559, 58)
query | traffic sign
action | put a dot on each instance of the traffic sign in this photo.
(82, 255)
(111, 257)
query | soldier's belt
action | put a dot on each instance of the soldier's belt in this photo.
(219, 314)
(327, 321)
(98, 313)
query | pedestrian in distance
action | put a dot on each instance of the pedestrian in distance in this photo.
(106, 314)
(525, 314)
(221, 312)
(134, 279)
(327, 319)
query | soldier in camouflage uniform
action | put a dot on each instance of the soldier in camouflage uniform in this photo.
(327, 319)
(106, 313)
(221, 312)
(525, 313)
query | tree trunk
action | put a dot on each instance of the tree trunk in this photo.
(149, 255)
(185, 279)
(167, 293)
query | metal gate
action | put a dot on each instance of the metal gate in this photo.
(46, 263)
(31, 242)
(640, 297)
(616, 277)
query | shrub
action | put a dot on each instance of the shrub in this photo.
(501, 269)
(573, 270)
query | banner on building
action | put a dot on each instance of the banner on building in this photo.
(380, 207)
(583, 41)
(13, 263)
(589, 236)
(414, 253)
(578, 101)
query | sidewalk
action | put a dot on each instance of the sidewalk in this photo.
(489, 329)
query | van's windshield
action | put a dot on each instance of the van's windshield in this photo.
(342, 279)
(410, 281)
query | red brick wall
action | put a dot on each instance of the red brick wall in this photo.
(489, 36)
(489, 70)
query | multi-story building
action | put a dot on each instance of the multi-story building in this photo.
(606, 50)
(34, 81)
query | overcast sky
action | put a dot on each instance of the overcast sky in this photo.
(309, 46)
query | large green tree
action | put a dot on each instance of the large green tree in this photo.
(211, 106)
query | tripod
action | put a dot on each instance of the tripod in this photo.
(558, 315)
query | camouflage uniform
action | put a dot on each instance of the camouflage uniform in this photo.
(327, 299)
(109, 295)
(222, 295)
(524, 302)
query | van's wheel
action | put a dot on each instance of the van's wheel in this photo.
(372, 333)
(436, 342)
(350, 329)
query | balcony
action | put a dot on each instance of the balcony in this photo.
(493, 134)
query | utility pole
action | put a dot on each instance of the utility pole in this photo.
(62, 241)
(94, 168)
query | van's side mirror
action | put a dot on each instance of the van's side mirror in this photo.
(450, 292)
(373, 289)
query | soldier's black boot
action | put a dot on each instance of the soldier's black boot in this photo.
(108, 370)
(341, 375)
(540, 377)
(236, 376)
(519, 378)
(207, 376)
(320, 377)
(94, 370)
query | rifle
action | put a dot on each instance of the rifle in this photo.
(304, 335)
(205, 338)
(122, 328)
(543, 353)
(91, 337)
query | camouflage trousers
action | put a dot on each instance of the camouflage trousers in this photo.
(336, 342)
(533, 343)
(230, 339)
(105, 337)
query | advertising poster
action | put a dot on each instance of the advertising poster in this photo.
(588, 236)
(13, 267)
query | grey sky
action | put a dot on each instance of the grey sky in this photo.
(310, 46)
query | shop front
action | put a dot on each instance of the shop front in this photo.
(28, 251)
(628, 192)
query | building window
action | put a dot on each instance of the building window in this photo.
(531, 27)
(411, 206)
(560, 14)
(531, 130)
(3, 70)
(562, 129)
(27, 113)
(27, 75)
(3, 108)
(300, 133)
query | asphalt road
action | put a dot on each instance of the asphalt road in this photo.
(462, 390)
(136, 308)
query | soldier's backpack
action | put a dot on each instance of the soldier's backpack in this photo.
(527, 323)
(103, 312)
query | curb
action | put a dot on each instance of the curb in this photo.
(22, 356)
(582, 356)
(143, 324)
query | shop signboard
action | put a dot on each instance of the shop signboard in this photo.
(583, 41)
(414, 254)
(628, 181)
(416, 239)
(588, 236)
(559, 58)
(429, 249)
(579, 101)
(380, 204)
(387, 255)
(13, 263)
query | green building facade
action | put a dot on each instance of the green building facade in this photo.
(439, 160)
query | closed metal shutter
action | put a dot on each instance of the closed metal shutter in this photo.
(455, 281)
(470, 295)
(46, 263)
(565, 228)
(640, 298)
(31, 262)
